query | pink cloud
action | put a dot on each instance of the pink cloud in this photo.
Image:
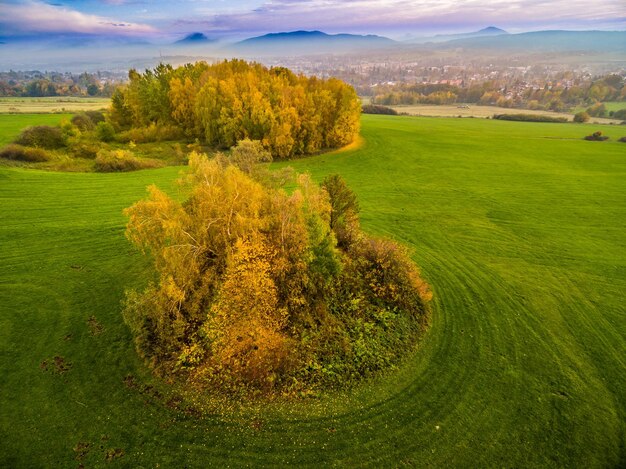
(35, 17)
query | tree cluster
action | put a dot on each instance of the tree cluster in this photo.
(549, 97)
(261, 291)
(47, 84)
(224, 103)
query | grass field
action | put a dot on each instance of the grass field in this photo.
(519, 228)
(609, 105)
(473, 110)
(51, 105)
(615, 105)
(11, 125)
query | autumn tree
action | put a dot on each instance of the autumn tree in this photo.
(224, 103)
(254, 292)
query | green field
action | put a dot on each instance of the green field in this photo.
(473, 110)
(615, 105)
(519, 228)
(11, 125)
(609, 105)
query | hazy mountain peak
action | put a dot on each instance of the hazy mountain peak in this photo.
(314, 35)
(194, 38)
(492, 30)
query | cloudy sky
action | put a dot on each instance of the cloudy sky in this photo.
(240, 18)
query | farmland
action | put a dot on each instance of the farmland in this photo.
(51, 105)
(460, 110)
(518, 227)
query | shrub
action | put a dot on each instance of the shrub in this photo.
(248, 153)
(529, 118)
(597, 110)
(95, 116)
(83, 122)
(43, 136)
(121, 161)
(378, 109)
(581, 117)
(619, 114)
(22, 153)
(596, 137)
(84, 149)
(105, 132)
(151, 133)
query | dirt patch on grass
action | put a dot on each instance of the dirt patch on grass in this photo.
(112, 454)
(56, 365)
(81, 449)
(95, 327)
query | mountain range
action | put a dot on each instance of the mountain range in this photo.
(553, 41)
(310, 41)
(486, 32)
(96, 51)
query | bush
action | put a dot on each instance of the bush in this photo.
(22, 153)
(377, 109)
(597, 110)
(581, 117)
(105, 132)
(95, 116)
(42, 136)
(83, 122)
(619, 114)
(529, 118)
(122, 161)
(86, 149)
(248, 153)
(596, 137)
(151, 133)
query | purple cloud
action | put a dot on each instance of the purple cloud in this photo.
(37, 17)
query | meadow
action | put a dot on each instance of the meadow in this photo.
(46, 105)
(473, 110)
(609, 105)
(518, 227)
(11, 125)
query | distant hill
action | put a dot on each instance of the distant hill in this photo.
(552, 41)
(310, 42)
(486, 32)
(195, 38)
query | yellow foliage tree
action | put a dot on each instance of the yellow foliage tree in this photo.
(255, 294)
(224, 103)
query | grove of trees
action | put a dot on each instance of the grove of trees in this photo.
(224, 103)
(261, 291)
(554, 98)
(47, 84)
